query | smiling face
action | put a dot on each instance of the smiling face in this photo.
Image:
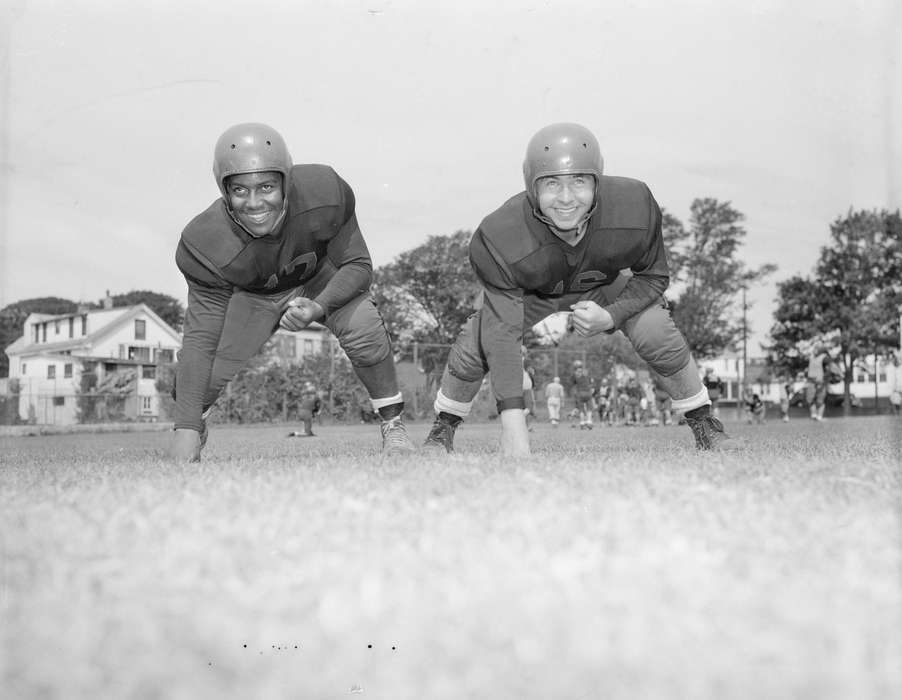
(256, 200)
(565, 199)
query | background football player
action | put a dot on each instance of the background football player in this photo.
(560, 246)
(280, 247)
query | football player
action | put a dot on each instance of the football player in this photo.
(281, 247)
(584, 393)
(308, 409)
(561, 246)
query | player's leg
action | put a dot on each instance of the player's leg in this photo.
(250, 321)
(361, 332)
(306, 417)
(821, 399)
(464, 371)
(659, 342)
(811, 398)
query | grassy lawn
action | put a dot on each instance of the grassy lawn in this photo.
(616, 563)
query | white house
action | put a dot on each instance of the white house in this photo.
(122, 346)
(292, 347)
(869, 380)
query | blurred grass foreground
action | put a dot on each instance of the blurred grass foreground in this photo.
(616, 563)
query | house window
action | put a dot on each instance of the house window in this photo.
(56, 327)
(84, 324)
(138, 353)
(51, 371)
(146, 406)
(59, 400)
(882, 376)
(67, 370)
(72, 326)
(140, 329)
(43, 332)
(37, 332)
(308, 346)
(163, 355)
(148, 372)
(289, 346)
(24, 365)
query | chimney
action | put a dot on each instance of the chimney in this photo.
(108, 300)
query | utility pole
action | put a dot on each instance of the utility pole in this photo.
(745, 352)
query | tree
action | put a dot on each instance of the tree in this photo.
(707, 277)
(801, 304)
(12, 318)
(853, 301)
(427, 293)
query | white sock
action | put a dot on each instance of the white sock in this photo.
(387, 401)
(456, 408)
(687, 404)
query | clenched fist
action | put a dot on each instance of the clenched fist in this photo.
(301, 313)
(588, 318)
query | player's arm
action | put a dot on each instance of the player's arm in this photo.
(347, 252)
(208, 300)
(650, 278)
(501, 333)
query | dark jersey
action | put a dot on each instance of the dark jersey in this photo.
(515, 255)
(714, 386)
(319, 236)
(320, 228)
(583, 386)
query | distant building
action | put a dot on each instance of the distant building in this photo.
(869, 380)
(121, 346)
(291, 347)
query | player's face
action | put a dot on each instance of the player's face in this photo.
(256, 199)
(565, 199)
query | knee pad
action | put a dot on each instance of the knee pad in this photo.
(465, 365)
(365, 345)
(658, 341)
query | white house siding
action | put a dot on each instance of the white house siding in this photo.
(54, 400)
(117, 343)
(39, 396)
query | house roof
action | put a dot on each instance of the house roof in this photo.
(109, 323)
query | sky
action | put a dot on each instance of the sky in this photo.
(109, 110)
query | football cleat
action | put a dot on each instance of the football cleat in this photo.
(441, 435)
(395, 439)
(710, 434)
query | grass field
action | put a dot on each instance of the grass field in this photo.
(613, 564)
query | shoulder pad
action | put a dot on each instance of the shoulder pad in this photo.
(313, 186)
(508, 229)
(624, 203)
(210, 237)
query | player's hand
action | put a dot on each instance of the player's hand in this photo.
(185, 445)
(588, 318)
(514, 433)
(301, 313)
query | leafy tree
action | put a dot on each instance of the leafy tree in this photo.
(13, 316)
(267, 390)
(852, 303)
(427, 293)
(707, 275)
(801, 304)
